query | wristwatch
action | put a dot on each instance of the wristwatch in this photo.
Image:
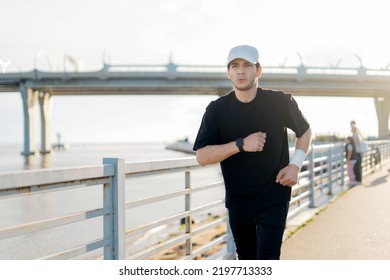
(240, 144)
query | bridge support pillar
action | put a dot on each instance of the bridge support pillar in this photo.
(29, 98)
(382, 105)
(44, 105)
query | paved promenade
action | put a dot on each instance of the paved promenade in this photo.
(355, 226)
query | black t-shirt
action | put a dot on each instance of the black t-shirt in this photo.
(250, 176)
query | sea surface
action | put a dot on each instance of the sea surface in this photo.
(30, 208)
(82, 154)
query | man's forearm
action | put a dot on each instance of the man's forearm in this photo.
(216, 153)
(303, 142)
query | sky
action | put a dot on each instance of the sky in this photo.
(39, 34)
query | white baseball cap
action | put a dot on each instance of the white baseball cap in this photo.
(246, 52)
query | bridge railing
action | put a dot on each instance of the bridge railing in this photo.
(149, 210)
(302, 69)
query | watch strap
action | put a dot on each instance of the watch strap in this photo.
(240, 144)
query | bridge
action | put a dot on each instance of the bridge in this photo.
(171, 79)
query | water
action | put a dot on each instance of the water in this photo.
(82, 155)
(27, 209)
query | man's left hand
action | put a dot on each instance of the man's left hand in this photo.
(288, 176)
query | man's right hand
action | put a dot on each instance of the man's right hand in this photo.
(254, 142)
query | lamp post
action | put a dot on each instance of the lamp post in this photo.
(36, 58)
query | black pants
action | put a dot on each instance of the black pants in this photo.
(258, 236)
(358, 167)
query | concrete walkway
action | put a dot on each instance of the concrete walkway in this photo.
(355, 226)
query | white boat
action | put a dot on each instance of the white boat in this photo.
(183, 146)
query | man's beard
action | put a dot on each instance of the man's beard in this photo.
(245, 87)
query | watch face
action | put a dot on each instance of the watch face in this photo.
(240, 144)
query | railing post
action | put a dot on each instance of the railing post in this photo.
(321, 163)
(188, 219)
(312, 175)
(330, 168)
(341, 155)
(386, 151)
(114, 224)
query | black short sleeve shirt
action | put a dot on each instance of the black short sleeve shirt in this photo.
(250, 177)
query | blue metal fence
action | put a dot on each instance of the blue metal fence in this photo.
(122, 214)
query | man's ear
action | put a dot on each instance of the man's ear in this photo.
(228, 73)
(259, 71)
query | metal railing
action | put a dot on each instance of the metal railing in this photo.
(144, 209)
(185, 192)
(29, 183)
(322, 173)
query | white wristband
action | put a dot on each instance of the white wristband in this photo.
(298, 158)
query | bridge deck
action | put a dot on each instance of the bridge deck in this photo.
(354, 227)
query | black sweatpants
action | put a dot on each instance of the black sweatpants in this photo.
(258, 236)
(358, 168)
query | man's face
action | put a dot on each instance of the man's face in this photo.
(243, 74)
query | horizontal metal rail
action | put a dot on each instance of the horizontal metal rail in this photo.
(82, 249)
(50, 223)
(37, 179)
